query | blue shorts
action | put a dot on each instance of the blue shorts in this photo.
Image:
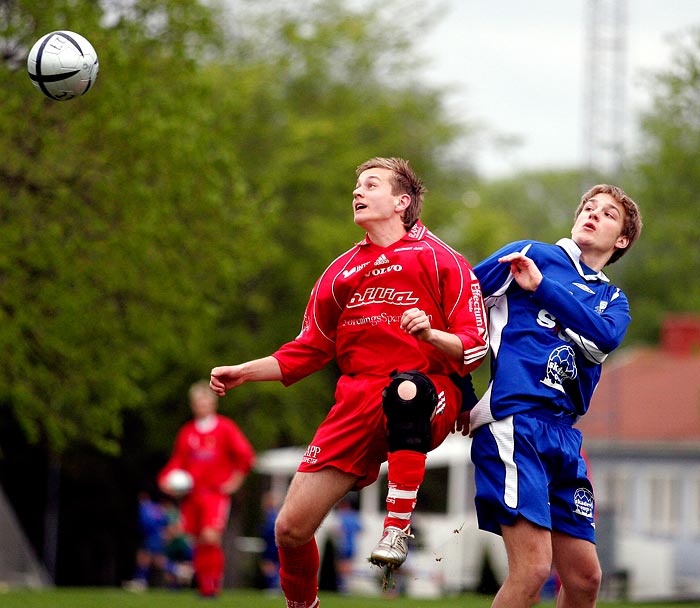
(532, 467)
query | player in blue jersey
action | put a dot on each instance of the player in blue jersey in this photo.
(553, 319)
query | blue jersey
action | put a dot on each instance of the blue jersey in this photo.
(547, 346)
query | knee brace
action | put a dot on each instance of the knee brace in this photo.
(408, 420)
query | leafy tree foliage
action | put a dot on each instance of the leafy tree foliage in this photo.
(120, 214)
(177, 215)
(330, 91)
(667, 184)
(535, 205)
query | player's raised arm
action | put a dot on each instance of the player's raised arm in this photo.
(226, 377)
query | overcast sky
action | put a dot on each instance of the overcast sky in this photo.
(518, 67)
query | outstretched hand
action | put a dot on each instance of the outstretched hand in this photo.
(524, 270)
(225, 377)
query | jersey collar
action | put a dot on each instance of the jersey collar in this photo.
(206, 424)
(574, 252)
(416, 233)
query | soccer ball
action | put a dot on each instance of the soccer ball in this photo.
(62, 65)
(178, 482)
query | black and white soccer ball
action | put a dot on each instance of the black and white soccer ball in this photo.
(62, 65)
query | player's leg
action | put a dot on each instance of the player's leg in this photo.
(142, 571)
(529, 550)
(309, 499)
(208, 562)
(190, 517)
(208, 558)
(573, 520)
(409, 402)
(511, 469)
(577, 564)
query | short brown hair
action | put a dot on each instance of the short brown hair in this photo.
(404, 181)
(632, 226)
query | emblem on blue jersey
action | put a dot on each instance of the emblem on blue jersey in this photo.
(561, 366)
(583, 502)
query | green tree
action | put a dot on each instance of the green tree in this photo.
(177, 215)
(117, 214)
(533, 205)
(330, 90)
(666, 178)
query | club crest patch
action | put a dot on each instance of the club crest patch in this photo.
(584, 502)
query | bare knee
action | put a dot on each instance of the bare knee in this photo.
(523, 585)
(309, 499)
(594, 579)
(289, 535)
(407, 390)
(581, 587)
(534, 579)
(210, 536)
(541, 573)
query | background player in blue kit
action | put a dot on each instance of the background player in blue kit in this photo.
(553, 319)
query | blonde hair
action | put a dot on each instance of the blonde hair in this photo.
(201, 387)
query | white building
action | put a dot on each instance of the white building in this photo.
(642, 437)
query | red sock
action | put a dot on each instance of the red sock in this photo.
(299, 574)
(406, 472)
(208, 565)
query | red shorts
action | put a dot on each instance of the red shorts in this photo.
(205, 509)
(353, 439)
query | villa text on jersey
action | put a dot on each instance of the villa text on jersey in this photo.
(355, 310)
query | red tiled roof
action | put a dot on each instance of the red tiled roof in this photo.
(646, 394)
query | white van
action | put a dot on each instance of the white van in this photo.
(449, 554)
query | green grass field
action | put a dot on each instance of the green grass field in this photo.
(116, 598)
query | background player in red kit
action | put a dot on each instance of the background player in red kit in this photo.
(215, 452)
(400, 312)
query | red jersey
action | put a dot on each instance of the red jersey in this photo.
(211, 456)
(355, 309)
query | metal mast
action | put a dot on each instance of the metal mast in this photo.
(604, 87)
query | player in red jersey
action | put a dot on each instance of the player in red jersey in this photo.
(217, 454)
(400, 312)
